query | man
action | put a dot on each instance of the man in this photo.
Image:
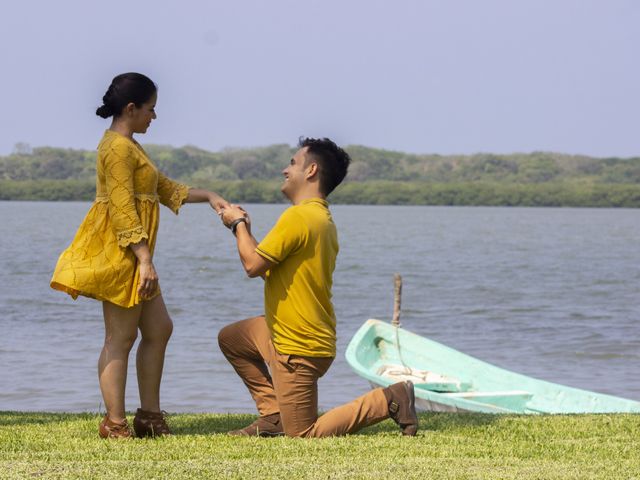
(281, 356)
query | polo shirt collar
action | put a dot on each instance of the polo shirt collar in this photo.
(321, 201)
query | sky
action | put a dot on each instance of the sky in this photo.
(445, 77)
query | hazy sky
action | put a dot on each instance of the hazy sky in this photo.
(425, 76)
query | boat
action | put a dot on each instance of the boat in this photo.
(447, 380)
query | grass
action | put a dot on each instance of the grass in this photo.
(456, 446)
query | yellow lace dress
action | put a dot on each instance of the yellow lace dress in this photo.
(129, 188)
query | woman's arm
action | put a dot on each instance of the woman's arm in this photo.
(124, 215)
(120, 165)
(148, 281)
(199, 195)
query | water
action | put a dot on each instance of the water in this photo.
(551, 293)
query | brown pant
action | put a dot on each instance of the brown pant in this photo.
(292, 386)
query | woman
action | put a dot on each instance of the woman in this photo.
(110, 258)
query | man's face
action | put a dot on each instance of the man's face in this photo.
(295, 174)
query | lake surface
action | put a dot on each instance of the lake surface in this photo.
(552, 293)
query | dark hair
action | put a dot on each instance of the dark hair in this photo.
(126, 88)
(333, 161)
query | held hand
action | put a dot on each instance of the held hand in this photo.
(233, 212)
(148, 282)
(218, 203)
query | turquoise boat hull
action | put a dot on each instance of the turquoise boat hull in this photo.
(446, 380)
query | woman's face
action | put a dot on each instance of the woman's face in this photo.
(142, 116)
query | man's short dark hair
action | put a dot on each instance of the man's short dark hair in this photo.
(333, 161)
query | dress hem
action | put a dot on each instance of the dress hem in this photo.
(75, 293)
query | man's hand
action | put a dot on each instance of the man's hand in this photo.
(232, 213)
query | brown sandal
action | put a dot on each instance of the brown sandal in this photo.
(150, 424)
(110, 429)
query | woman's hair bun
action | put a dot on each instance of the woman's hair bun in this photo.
(104, 111)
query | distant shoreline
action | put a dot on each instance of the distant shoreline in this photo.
(376, 177)
(565, 194)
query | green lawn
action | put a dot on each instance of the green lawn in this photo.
(462, 446)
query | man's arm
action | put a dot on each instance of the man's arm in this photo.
(254, 264)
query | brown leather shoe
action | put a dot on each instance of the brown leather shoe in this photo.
(150, 424)
(402, 406)
(267, 426)
(109, 429)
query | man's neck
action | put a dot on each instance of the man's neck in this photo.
(302, 196)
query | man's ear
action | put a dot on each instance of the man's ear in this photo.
(312, 170)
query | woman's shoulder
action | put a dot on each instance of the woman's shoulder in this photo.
(114, 143)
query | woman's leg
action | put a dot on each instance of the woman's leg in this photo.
(156, 327)
(121, 330)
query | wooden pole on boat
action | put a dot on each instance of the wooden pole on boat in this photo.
(397, 295)
(395, 321)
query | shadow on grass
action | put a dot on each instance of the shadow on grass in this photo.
(180, 423)
(207, 424)
(437, 422)
(454, 421)
(14, 419)
(221, 423)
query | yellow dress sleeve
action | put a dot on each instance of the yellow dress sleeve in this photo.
(119, 169)
(171, 194)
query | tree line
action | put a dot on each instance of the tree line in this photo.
(375, 177)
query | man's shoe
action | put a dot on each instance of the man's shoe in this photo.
(402, 406)
(150, 424)
(109, 429)
(267, 426)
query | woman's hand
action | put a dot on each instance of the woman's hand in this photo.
(198, 195)
(148, 280)
(217, 202)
